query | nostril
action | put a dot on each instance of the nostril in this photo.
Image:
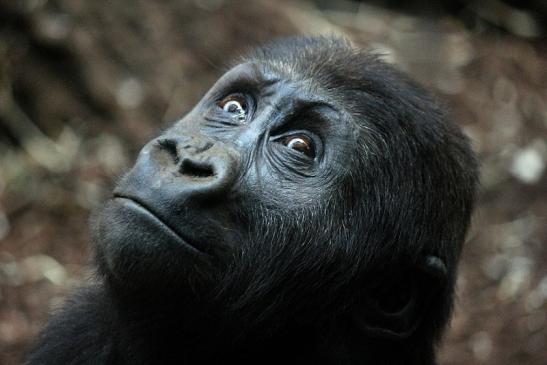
(194, 169)
(170, 146)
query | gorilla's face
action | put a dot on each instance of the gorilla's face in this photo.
(310, 181)
(249, 184)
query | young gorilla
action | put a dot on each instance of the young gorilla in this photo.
(309, 210)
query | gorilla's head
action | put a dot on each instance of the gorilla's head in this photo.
(313, 186)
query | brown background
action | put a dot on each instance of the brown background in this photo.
(84, 83)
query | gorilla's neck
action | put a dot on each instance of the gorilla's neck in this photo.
(164, 331)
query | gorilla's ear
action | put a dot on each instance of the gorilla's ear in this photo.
(396, 306)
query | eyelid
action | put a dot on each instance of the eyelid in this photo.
(232, 96)
(296, 132)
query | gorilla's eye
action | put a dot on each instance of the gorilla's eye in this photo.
(300, 143)
(236, 106)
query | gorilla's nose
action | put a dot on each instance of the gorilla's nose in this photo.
(191, 156)
(200, 165)
(177, 168)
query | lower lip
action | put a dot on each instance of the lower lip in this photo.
(132, 204)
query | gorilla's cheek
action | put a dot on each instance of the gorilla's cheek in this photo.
(135, 246)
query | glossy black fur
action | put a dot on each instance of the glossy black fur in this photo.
(346, 258)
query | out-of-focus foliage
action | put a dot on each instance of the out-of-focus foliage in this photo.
(84, 83)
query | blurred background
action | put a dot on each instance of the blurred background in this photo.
(83, 84)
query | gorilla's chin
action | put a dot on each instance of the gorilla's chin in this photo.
(135, 248)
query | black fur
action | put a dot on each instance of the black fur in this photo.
(348, 257)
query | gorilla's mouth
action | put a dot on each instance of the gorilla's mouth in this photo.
(145, 211)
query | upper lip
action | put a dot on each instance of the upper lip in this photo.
(151, 211)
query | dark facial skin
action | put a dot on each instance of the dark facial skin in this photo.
(310, 209)
(281, 150)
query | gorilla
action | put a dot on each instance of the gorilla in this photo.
(310, 209)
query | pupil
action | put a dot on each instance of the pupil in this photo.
(301, 145)
(234, 107)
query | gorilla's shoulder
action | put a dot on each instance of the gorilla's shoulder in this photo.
(79, 332)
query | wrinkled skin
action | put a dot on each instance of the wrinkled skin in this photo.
(310, 209)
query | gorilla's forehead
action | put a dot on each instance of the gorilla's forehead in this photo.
(268, 75)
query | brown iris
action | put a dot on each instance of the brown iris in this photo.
(300, 143)
(235, 105)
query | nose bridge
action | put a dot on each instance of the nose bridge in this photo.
(193, 144)
(194, 148)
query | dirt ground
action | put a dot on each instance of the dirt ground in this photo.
(84, 83)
